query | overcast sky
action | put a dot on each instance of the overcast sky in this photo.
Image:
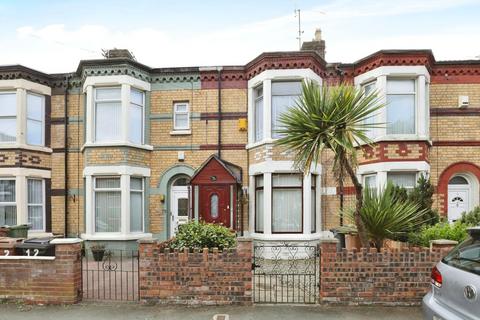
(52, 36)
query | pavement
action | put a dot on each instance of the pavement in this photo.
(88, 311)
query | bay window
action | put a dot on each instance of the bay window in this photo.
(258, 113)
(287, 203)
(108, 114)
(284, 96)
(259, 204)
(35, 119)
(181, 116)
(8, 116)
(8, 205)
(401, 106)
(35, 204)
(107, 195)
(407, 180)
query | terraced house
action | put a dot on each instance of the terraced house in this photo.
(117, 151)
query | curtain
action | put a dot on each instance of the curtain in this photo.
(35, 204)
(284, 96)
(136, 205)
(35, 116)
(287, 210)
(8, 208)
(107, 205)
(8, 112)
(108, 118)
(259, 210)
(406, 179)
(400, 106)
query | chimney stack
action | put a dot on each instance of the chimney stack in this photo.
(118, 53)
(317, 44)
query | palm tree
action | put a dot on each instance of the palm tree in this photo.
(336, 119)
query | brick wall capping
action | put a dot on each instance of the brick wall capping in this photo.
(443, 242)
(147, 240)
(66, 241)
(244, 239)
(328, 240)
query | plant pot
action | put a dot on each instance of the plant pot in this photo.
(352, 241)
(98, 255)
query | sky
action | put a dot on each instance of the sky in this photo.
(53, 35)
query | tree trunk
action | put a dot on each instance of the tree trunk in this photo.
(362, 233)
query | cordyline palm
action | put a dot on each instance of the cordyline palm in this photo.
(333, 118)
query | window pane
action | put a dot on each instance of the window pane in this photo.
(35, 107)
(280, 104)
(35, 191)
(8, 215)
(458, 180)
(107, 211)
(371, 181)
(181, 121)
(369, 87)
(313, 214)
(259, 210)
(287, 180)
(135, 121)
(34, 132)
(259, 119)
(136, 96)
(136, 184)
(35, 204)
(35, 217)
(405, 179)
(400, 86)
(286, 210)
(8, 104)
(107, 183)
(214, 206)
(8, 130)
(108, 93)
(259, 180)
(108, 121)
(7, 190)
(181, 108)
(182, 207)
(287, 88)
(136, 212)
(400, 114)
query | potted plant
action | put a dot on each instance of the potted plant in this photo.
(98, 251)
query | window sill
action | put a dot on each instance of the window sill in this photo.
(39, 234)
(25, 146)
(115, 236)
(180, 132)
(260, 143)
(116, 144)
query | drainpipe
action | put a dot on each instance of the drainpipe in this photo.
(65, 164)
(219, 82)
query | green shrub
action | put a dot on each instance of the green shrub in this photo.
(444, 230)
(199, 235)
(471, 218)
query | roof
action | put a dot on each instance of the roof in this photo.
(234, 170)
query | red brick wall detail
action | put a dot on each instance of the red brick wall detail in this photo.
(371, 277)
(31, 281)
(218, 278)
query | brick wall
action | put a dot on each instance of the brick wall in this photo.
(370, 277)
(217, 278)
(43, 280)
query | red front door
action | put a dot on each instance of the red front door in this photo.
(214, 204)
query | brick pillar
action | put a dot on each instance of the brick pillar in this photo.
(442, 245)
(328, 247)
(148, 261)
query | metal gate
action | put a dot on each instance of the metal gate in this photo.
(113, 277)
(285, 273)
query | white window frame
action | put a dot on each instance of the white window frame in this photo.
(43, 205)
(415, 107)
(42, 119)
(142, 192)
(276, 135)
(143, 113)
(176, 112)
(258, 136)
(16, 198)
(415, 173)
(371, 131)
(11, 117)
(95, 190)
(95, 101)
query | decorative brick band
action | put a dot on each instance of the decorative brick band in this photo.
(394, 151)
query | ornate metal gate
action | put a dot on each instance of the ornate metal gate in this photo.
(113, 277)
(285, 273)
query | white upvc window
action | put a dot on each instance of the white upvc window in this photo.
(259, 205)
(258, 113)
(313, 204)
(287, 203)
(107, 202)
(284, 96)
(8, 117)
(401, 106)
(368, 88)
(181, 116)
(370, 181)
(407, 180)
(36, 204)
(136, 204)
(35, 119)
(8, 204)
(108, 114)
(136, 116)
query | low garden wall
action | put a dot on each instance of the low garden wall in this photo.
(389, 277)
(200, 277)
(43, 280)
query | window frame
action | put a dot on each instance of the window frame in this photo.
(302, 212)
(15, 202)
(409, 189)
(372, 83)
(415, 105)
(142, 124)
(11, 117)
(94, 197)
(175, 113)
(257, 188)
(273, 134)
(43, 205)
(95, 127)
(313, 186)
(258, 136)
(142, 191)
(42, 121)
(369, 175)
